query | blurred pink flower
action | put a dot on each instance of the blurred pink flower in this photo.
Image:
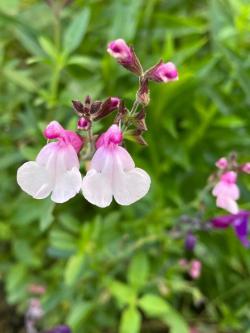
(113, 173)
(227, 192)
(183, 263)
(36, 289)
(56, 168)
(246, 167)
(195, 269)
(193, 330)
(222, 163)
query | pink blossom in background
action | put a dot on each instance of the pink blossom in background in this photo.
(195, 269)
(222, 163)
(120, 51)
(246, 167)
(193, 330)
(227, 192)
(56, 168)
(183, 263)
(113, 173)
(36, 289)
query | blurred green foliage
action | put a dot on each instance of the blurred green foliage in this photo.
(117, 269)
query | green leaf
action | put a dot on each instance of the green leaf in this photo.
(73, 269)
(123, 293)
(78, 313)
(28, 41)
(48, 47)
(138, 271)
(125, 16)
(47, 217)
(76, 30)
(153, 305)
(88, 63)
(21, 79)
(176, 322)
(130, 321)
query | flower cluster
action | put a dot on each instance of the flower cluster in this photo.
(226, 189)
(112, 172)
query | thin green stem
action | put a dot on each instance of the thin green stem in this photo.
(91, 140)
(55, 79)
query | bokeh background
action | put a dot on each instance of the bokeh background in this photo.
(117, 269)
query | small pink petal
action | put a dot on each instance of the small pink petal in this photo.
(75, 140)
(53, 130)
(222, 163)
(112, 136)
(229, 177)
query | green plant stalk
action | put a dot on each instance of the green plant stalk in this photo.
(55, 80)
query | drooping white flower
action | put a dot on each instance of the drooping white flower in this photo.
(56, 168)
(113, 173)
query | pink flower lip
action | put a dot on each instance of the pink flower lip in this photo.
(53, 130)
(112, 136)
(229, 177)
(222, 163)
(75, 140)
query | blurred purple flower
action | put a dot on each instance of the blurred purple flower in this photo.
(190, 242)
(60, 329)
(238, 221)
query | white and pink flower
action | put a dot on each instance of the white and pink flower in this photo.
(113, 173)
(227, 192)
(56, 168)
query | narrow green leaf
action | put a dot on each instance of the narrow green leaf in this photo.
(78, 313)
(138, 271)
(73, 269)
(76, 30)
(48, 47)
(47, 217)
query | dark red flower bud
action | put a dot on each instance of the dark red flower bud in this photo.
(108, 106)
(83, 124)
(78, 107)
